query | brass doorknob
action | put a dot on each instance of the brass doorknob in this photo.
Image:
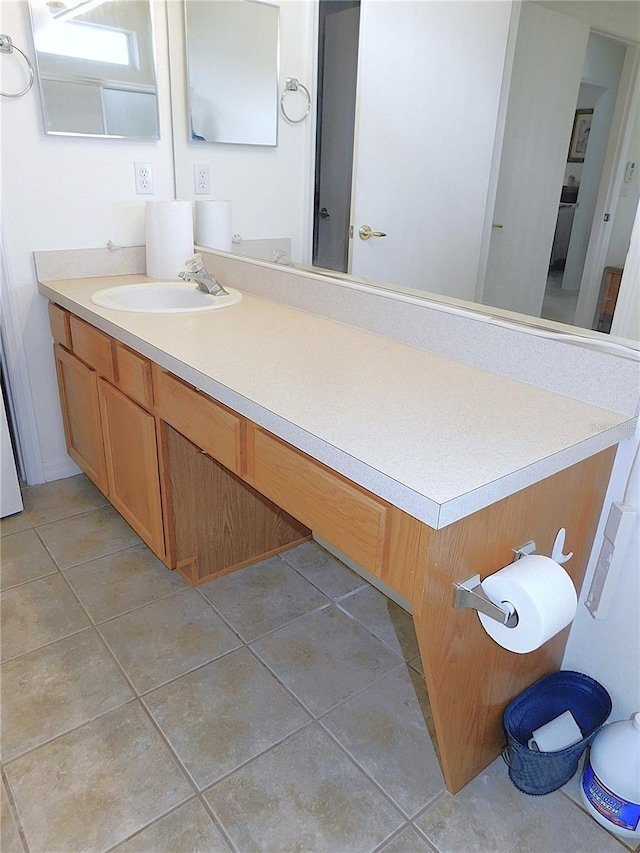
(366, 231)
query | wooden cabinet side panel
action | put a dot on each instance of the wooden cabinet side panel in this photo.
(219, 523)
(470, 678)
(132, 465)
(78, 386)
(337, 510)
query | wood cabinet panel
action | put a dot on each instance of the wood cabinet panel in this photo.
(470, 678)
(59, 322)
(134, 375)
(92, 346)
(132, 464)
(78, 386)
(208, 424)
(336, 509)
(219, 522)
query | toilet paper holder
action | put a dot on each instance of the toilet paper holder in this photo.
(470, 593)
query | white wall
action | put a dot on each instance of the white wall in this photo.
(609, 649)
(65, 192)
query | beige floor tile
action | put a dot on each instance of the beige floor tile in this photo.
(37, 613)
(223, 714)
(9, 836)
(189, 829)
(14, 523)
(387, 729)
(323, 569)
(55, 689)
(303, 795)
(61, 498)
(262, 597)
(112, 585)
(87, 536)
(24, 558)
(97, 785)
(409, 841)
(168, 638)
(491, 814)
(384, 618)
(325, 657)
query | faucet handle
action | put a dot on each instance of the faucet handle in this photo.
(194, 263)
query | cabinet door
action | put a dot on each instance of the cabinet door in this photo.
(81, 416)
(132, 465)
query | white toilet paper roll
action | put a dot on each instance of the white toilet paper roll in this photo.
(213, 224)
(543, 595)
(169, 237)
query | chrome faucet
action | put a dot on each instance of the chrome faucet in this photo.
(196, 272)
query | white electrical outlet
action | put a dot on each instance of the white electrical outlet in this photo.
(201, 183)
(144, 178)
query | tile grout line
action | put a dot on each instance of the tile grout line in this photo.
(15, 814)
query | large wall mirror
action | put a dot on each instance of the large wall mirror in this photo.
(96, 67)
(464, 117)
(232, 69)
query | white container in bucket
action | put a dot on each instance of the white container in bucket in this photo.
(610, 788)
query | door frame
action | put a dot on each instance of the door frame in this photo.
(20, 401)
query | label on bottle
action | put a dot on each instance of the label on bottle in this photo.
(620, 812)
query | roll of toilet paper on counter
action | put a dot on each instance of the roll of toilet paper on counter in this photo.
(543, 596)
(169, 237)
(213, 224)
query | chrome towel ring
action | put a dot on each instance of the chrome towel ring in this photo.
(7, 46)
(292, 84)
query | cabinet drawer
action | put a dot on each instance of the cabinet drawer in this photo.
(134, 375)
(352, 519)
(59, 322)
(92, 346)
(209, 425)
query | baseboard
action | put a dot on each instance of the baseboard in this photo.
(60, 469)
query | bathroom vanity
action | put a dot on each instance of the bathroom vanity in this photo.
(227, 436)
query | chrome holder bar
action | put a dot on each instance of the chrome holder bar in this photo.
(470, 593)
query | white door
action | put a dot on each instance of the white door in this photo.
(10, 497)
(545, 82)
(429, 80)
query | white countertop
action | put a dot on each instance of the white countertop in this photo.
(436, 437)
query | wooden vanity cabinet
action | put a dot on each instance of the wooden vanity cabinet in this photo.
(210, 491)
(78, 386)
(132, 464)
(110, 436)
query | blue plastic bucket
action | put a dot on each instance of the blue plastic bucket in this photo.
(543, 772)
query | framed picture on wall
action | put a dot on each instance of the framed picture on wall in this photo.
(580, 136)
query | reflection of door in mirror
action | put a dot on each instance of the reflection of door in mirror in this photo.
(546, 238)
(337, 75)
(96, 67)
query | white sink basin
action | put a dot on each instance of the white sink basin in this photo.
(162, 297)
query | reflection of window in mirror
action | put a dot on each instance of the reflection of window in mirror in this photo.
(96, 67)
